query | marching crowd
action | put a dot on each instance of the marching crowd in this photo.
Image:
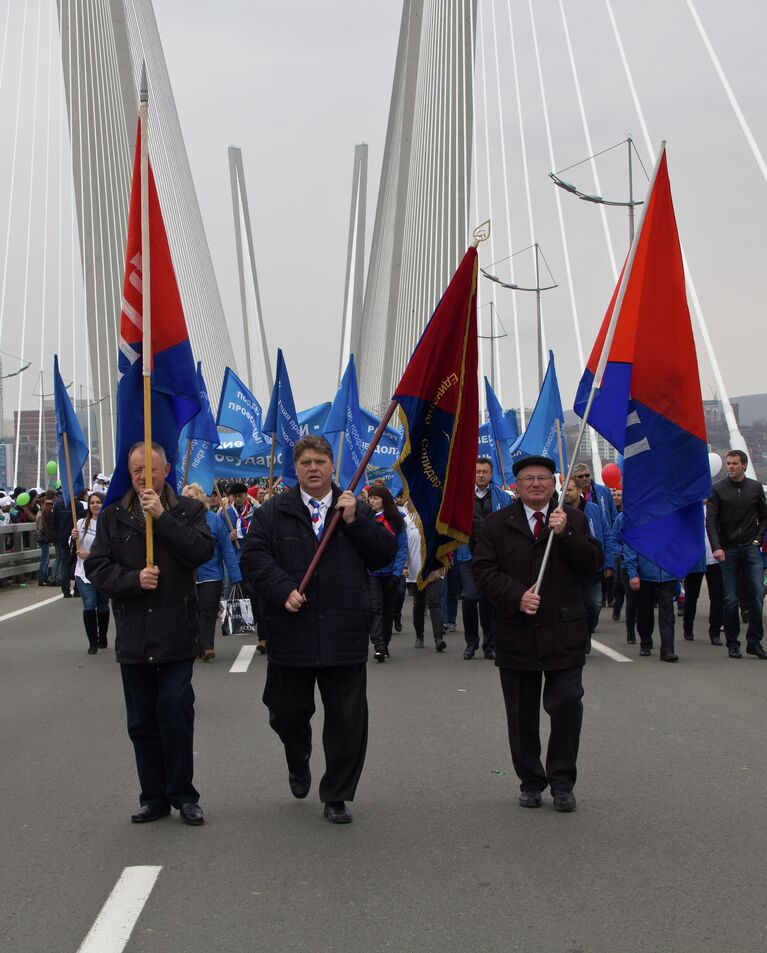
(262, 542)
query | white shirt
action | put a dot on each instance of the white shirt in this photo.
(84, 542)
(530, 514)
(324, 504)
(480, 494)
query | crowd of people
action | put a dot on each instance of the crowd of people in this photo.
(262, 539)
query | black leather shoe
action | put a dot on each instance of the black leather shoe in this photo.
(734, 653)
(398, 625)
(441, 645)
(338, 813)
(530, 798)
(191, 814)
(689, 637)
(92, 649)
(490, 655)
(564, 801)
(468, 654)
(631, 639)
(67, 595)
(419, 642)
(644, 651)
(716, 640)
(756, 650)
(669, 657)
(380, 654)
(149, 813)
(300, 784)
(616, 616)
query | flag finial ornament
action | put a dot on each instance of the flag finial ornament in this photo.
(481, 233)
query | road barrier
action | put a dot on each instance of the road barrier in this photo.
(19, 552)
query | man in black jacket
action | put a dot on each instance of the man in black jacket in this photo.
(736, 521)
(539, 635)
(157, 641)
(321, 636)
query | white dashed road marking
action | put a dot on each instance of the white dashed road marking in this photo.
(244, 658)
(114, 925)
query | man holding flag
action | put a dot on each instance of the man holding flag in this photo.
(539, 635)
(149, 541)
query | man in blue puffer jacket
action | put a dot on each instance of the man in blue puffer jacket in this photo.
(649, 582)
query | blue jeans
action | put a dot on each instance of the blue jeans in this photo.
(63, 557)
(42, 572)
(92, 599)
(750, 558)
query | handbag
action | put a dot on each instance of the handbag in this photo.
(237, 613)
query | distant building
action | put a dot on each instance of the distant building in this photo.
(35, 433)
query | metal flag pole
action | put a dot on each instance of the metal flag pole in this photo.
(186, 459)
(146, 302)
(271, 463)
(604, 354)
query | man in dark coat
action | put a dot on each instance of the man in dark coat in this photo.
(322, 636)
(157, 641)
(539, 633)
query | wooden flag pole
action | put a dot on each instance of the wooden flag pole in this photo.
(227, 517)
(69, 482)
(146, 303)
(331, 526)
(271, 462)
(186, 460)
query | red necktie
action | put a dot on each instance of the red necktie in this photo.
(537, 529)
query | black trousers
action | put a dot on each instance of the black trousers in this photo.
(692, 584)
(475, 612)
(289, 696)
(382, 596)
(159, 700)
(431, 596)
(631, 604)
(646, 596)
(208, 604)
(562, 694)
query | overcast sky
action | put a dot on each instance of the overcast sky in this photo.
(297, 84)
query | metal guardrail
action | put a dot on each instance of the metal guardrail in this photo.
(19, 552)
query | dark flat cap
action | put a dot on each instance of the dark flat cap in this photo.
(534, 462)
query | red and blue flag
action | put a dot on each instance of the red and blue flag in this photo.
(439, 405)
(175, 393)
(649, 404)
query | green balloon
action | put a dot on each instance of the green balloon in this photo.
(51, 467)
(22, 499)
(58, 484)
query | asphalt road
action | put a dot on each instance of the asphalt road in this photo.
(666, 851)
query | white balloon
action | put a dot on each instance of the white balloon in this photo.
(715, 464)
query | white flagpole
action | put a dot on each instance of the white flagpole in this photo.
(605, 353)
(146, 301)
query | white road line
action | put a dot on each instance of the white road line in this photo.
(45, 602)
(115, 923)
(244, 658)
(610, 653)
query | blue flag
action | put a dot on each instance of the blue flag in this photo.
(345, 430)
(239, 410)
(503, 432)
(282, 420)
(67, 423)
(540, 438)
(198, 443)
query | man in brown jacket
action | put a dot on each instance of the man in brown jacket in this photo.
(536, 634)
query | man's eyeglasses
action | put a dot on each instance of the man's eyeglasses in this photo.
(582, 476)
(534, 479)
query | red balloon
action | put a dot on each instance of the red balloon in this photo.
(611, 475)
